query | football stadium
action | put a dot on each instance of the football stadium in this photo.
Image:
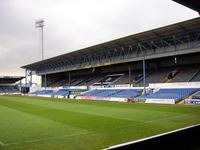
(137, 92)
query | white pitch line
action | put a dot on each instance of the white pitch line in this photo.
(166, 118)
(151, 137)
(45, 139)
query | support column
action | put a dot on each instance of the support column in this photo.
(144, 75)
(26, 77)
(45, 80)
(144, 68)
(129, 76)
(31, 78)
(69, 83)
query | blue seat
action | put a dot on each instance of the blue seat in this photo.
(196, 96)
(61, 92)
(176, 94)
(116, 93)
(42, 92)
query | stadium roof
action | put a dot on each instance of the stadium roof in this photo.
(167, 32)
(10, 79)
(193, 4)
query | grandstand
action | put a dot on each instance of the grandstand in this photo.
(164, 55)
(171, 55)
(159, 66)
(9, 85)
(180, 40)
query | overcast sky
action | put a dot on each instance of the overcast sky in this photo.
(74, 24)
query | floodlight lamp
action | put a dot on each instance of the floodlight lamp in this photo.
(39, 23)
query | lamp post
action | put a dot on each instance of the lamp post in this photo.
(40, 24)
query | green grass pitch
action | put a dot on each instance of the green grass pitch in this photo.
(32, 123)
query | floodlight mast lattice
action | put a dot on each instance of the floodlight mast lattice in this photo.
(40, 24)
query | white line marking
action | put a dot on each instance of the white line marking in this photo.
(45, 139)
(154, 136)
(166, 118)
